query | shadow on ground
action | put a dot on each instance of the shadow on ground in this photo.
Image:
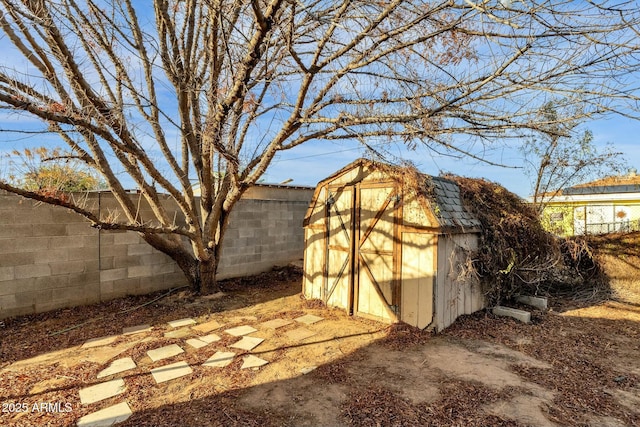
(29, 336)
(562, 370)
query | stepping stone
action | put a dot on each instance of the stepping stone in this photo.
(196, 343)
(107, 416)
(102, 391)
(171, 372)
(99, 342)
(118, 366)
(241, 330)
(207, 327)
(300, 334)
(164, 352)
(220, 359)
(209, 338)
(248, 343)
(182, 322)
(136, 329)
(308, 319)
(253, 362)
(178, 333)
(276, 323)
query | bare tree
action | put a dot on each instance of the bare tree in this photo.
(558, 155)
(211, 91)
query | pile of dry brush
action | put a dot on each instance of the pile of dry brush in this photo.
(516, 255)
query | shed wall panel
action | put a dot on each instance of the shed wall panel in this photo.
(350, 177)
(361, 173)
(457, 294)
(376, 226)
(338, 281)
(314, 263)
(317, 212)
(417, 277)
(414, 213)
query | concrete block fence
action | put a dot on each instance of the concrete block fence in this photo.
(50, 258)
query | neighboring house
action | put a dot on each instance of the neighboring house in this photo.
(606, 205)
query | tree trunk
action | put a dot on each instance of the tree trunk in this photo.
(207, 283)
(201, 275)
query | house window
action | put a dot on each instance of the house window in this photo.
(556, 216)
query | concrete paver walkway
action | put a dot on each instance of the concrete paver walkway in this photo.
(164, 352)
(178, 333)
(170, 372)
(183, 328)
(308, 319)
(220, 359)
(252, 361)
(299, 334)
(136, 329)
(196, 343)
(99, 342)
(209, 338)
(117, 366)
(207, 327)
(107, 416)
(276, 323)
(182, 322)
(241, 330)
(248, 343)
(98, 392)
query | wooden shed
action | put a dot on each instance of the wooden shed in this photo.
(392, 247)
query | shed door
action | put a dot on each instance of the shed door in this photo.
(376, 294)
(339, 275)
(360, 251)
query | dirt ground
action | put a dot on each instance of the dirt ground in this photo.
(575, 365)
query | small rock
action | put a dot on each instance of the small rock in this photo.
(217, 295)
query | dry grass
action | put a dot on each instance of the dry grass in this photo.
(461, 405)
(402, 336)
(619, 257)
(332, 373)
(587, 356)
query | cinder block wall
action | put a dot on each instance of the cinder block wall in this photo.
(261, 234)
(50, 258)
(128, 265)
(47, 258)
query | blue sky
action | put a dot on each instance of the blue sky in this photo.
(308, 164)
(315, 160)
